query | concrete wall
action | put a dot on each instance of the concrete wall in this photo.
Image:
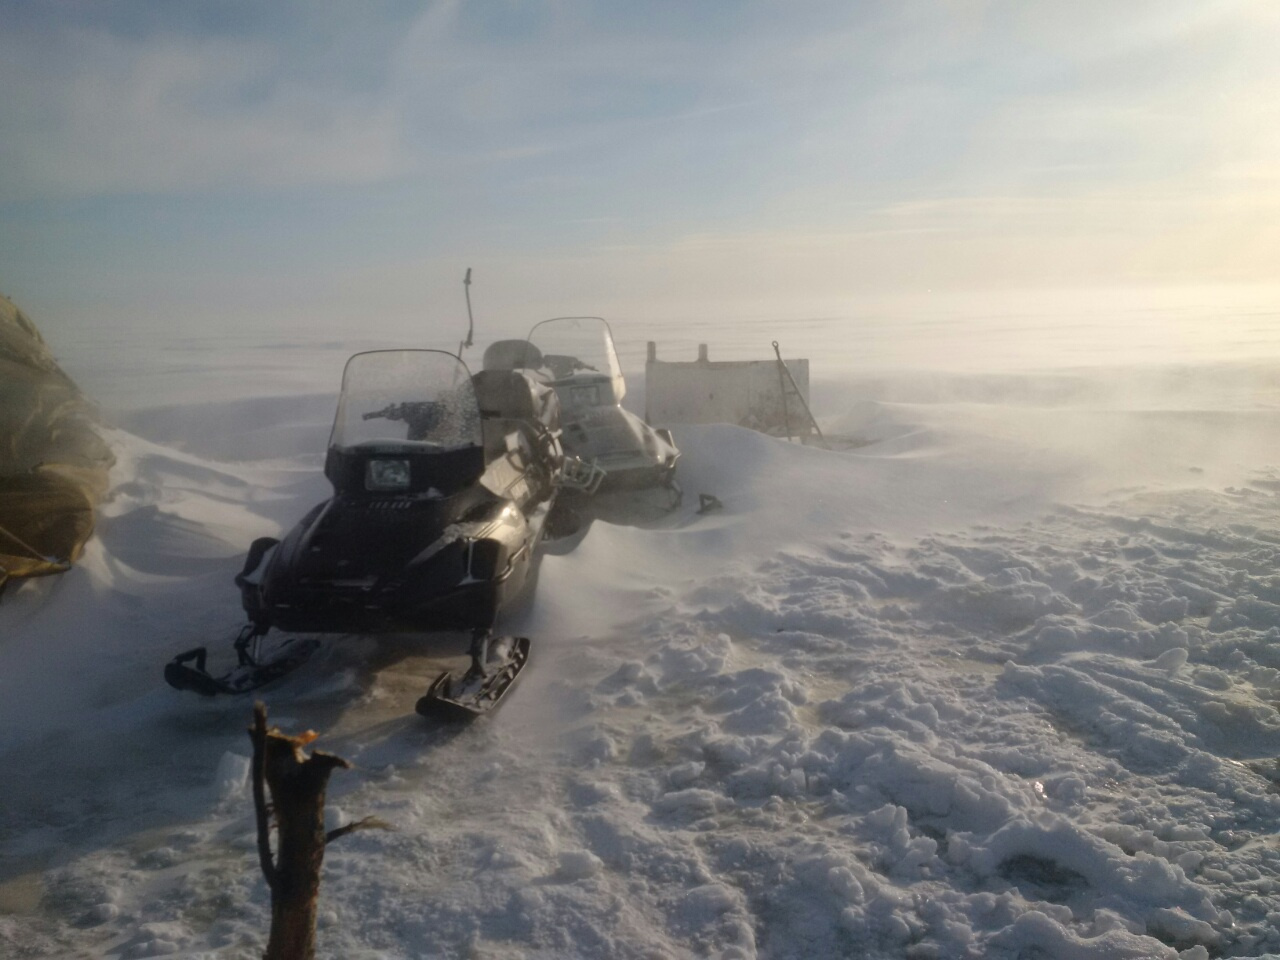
(744, 392)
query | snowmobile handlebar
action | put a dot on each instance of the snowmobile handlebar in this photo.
(422, 416)
(563, 365)
(392, 411)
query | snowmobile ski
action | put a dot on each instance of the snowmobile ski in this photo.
(477, 694)
(187, 670)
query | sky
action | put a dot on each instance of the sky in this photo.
(236, 163)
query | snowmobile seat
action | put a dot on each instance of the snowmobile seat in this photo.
(507, 406)
(497, 437)
(504, 394)
(514, 402)
(511, 355)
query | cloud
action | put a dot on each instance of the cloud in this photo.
(967, 95)
(86, 112)
(689, 151)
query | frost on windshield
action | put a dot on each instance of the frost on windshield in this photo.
(406, 397)
(579, 345)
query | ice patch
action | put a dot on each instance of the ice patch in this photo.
(231, 777)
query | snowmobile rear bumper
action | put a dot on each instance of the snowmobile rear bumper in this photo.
(636, 470)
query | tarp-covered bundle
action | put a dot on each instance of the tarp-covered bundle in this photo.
(53, 464)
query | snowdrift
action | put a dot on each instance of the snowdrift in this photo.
(998, 682)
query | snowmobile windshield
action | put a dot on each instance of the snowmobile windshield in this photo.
(417, 401)
(579, 349)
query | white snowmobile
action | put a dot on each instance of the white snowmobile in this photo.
(576, 357)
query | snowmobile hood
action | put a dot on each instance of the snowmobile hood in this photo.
(365, 540)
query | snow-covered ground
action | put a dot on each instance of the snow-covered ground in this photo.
(998, 678)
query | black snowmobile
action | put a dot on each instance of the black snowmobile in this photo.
(444, 485)
(576, 357)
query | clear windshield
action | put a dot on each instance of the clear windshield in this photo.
(575, 346)
(406, 398)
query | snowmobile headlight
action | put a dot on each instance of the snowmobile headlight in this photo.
(387, 475)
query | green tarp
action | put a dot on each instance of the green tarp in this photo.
(53, 464)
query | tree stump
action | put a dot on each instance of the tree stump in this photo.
(297, 783)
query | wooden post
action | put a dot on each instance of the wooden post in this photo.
(297, 783)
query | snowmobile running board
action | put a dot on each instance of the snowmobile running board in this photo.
(187, 670)
(467, 699)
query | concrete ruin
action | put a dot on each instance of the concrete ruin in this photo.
(758, 394)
